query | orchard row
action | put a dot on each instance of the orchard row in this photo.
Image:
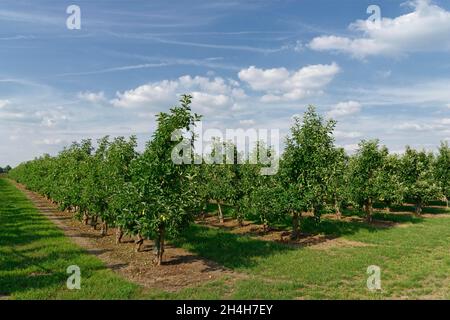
(148, 196)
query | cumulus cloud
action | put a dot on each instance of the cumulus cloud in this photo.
(209, 94)
(213, 94)
(344, 109)
(93, 97)
(426, 28)
(146, 95)
(280, 84)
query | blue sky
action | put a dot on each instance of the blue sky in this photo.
(247, 63)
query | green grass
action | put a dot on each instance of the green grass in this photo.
(414, 261)
(34, 256)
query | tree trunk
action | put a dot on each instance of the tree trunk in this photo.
(337, 208)
(446, 202)
(240, 220)
(119, 235)
(295, 226)
(104, 229)
(159, 246)
(94, 222)
(85, 218)
(369, 210)
(265, 227)
(139, 242)
(418, 210)
(220, 212)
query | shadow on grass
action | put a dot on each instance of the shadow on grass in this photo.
(431, 209)
(242, 251)
(335, 227)
(397, 217)
(34, 254)
(230, 250)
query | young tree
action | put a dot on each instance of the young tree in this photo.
(128, 209)
(305, 169)
(164, 185)
(77, 172)
(417, 174)
(261, 194)
(220, 175)
(365, 167)
(389, 182)
(95, 186)
(442, 170)
(338, 183)
(120, 196)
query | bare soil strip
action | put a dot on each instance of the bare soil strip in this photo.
(181, 269)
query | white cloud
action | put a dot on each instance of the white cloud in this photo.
(280, 84)
(213, 94)
(8, 115)
(426, 28)
(413, 126)
(299, 47)
(94, 97)
(215, 86)
(3, 103)
(261, 80)
(426, 92)
(440, 124)
(209, 94)
(344, 109)
(247, 122)
(49, 141)
(347, 134)
(146, 95)
(350, 148)
(51, 118)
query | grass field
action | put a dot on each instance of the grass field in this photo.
(414, 260)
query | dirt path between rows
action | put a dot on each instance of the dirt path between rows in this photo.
(181, 269)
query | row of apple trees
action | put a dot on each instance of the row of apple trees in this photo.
(148, 195)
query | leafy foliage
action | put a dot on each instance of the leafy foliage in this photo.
(158, 193)
(306, 166)
(442, 170)
(417, 174)
(365, 167)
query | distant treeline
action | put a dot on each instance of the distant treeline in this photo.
(5, 169)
